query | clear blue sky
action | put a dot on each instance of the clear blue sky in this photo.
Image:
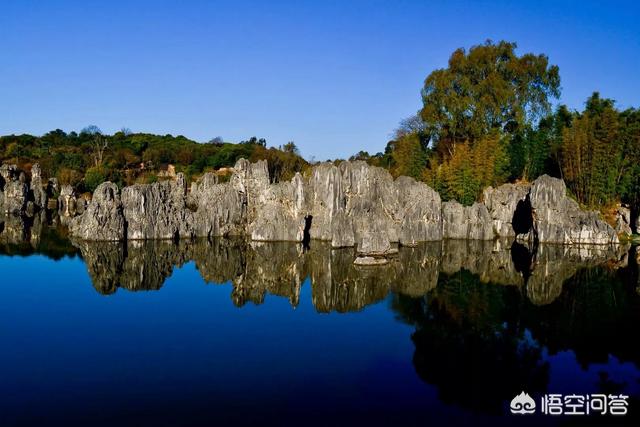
(333, 76)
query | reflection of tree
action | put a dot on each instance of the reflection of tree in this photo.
(596, 315)
(470, 345)
(481, 344)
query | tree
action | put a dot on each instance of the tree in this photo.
(592, 159)
(91, 130)
(290, 147)
(409, 157)
(629, 137)
(99, 145)
(255, 141)
(360, 155)
(469, 170)
(488, 88)
(94, 177)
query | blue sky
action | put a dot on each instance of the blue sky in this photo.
(333, 76)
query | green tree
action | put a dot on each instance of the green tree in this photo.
(94, 177)
(409, 157)
(487, 88)
(629, 137)
(593, 160)
(469, 170)
(290, 147)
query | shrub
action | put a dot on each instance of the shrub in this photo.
(94, 177)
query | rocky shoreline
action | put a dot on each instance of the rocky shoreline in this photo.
(349, 205)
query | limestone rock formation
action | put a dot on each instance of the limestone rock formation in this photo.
(15, 197)
(559, 219)
(67, 201)
(623, 221)
(218, 209)
(466, 222)
(504, 204)
(419, 212)
(349, 200)
(157, 211)
(103, 220)
(279, 213)
(370, 199)
(326, 203)
(374, 248)
(14, 190)
(346, 205)
(38, 190)
(82, 202)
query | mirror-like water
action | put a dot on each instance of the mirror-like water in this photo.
(232, 332)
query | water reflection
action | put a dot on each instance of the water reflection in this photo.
(257, 269)
(493, 341)
(40, 234)
(488, 319)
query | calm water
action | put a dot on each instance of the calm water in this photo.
(227, 332)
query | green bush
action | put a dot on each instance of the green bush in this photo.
(94, 177)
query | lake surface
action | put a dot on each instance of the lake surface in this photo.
(230, 332)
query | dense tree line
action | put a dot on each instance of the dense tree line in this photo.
(87, 158)
(487, 119)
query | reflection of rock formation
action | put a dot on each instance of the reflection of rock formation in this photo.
(552, 265)
(221, 261)
(418, 269)
(469, 344)
(148, 264)
(104, 262)
(13, 229)
(40, 233)
(276, 268)
(255, 269)
(491, 261)
(339, 285)
(542, 268)
(136, 266)
(258, 269)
